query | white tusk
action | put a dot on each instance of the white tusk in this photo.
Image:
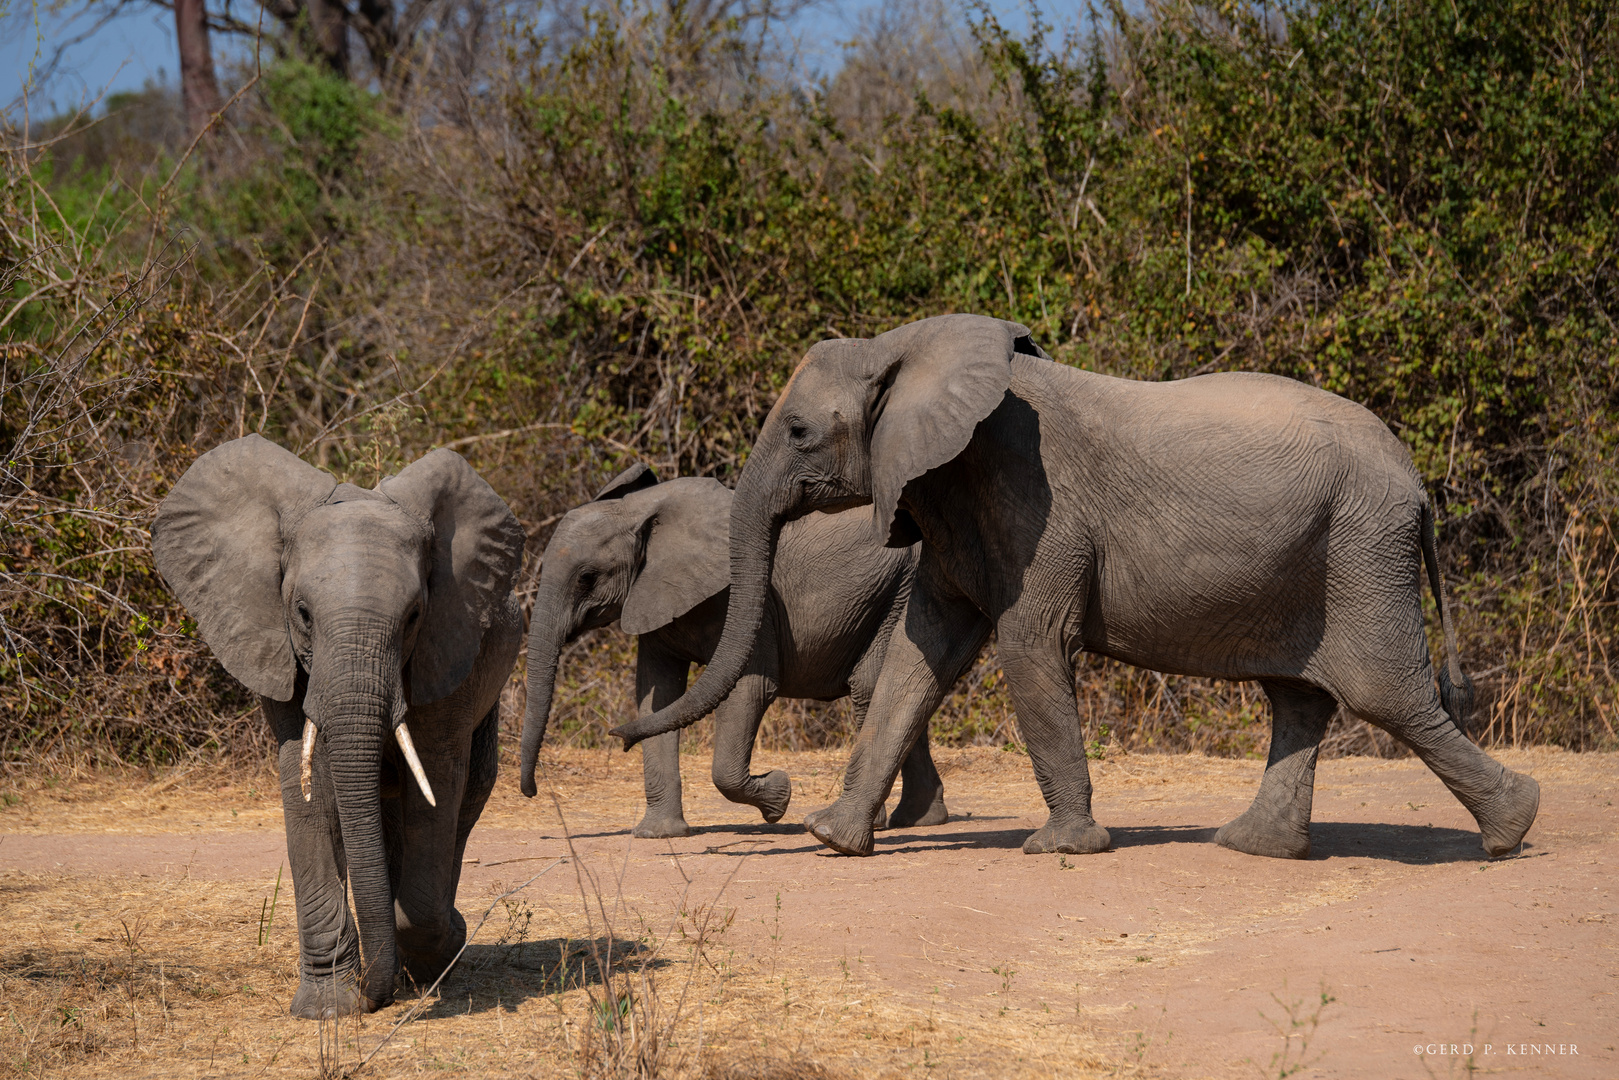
(309, 758)
(402, 733)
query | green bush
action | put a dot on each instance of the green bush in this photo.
(618, 246)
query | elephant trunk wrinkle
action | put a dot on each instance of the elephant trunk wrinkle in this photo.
(757, 516)
(548, 633)
(356, 680)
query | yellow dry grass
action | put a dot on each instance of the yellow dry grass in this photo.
(137, 976)
(165, 975)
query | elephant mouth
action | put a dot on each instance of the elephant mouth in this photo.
(407, 749)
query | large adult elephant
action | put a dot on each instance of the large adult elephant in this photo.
(656, 558)
(377, 628)
(1236, 526)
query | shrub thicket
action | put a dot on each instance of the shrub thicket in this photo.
(616, 246)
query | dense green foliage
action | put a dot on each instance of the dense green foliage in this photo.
(623, 242)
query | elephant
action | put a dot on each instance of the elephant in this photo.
(377, 628)
(656, 558)
(1236, 525)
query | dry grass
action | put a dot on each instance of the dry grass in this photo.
(575, 975)
(163, 974)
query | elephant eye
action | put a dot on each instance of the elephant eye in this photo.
(797, 430)
(303, 614)
(410, 620)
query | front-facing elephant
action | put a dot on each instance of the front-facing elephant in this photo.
(377, 628)
(656, 558)
(1236, 526)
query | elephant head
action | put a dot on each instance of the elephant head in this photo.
(858, 420)
(642, 553)
(364, 602)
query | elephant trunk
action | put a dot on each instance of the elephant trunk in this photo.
(358, 694)
(758, 513)
(548, 633)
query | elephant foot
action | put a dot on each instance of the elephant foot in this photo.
(424, 968)
(328, 998)
(425, 951)
(772, 792)
(1077, 837)
(1254, 833)
(659, 824)
(911, 813)
(842, 829)
(1510, 814)
(879, 820)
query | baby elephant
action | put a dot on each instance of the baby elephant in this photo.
(377, 628)
(656, 557)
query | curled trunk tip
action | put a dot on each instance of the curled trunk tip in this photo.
(755, 531)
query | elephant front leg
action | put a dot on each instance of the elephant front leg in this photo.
(660, 678)
(328, 941)
(921, 799)
(937, 634)
(431, 931)
(1041, 678)
(1278, 822)
(660, 772)
(736, 727)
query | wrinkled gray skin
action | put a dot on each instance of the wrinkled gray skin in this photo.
(359, 610)
(655, 557)
(1236, 526)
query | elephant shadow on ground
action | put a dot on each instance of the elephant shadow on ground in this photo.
(935, 839)
(1128, 836)
(782, 828)
(1410, 844)
(504, 973)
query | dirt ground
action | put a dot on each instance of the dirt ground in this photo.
(133, 908)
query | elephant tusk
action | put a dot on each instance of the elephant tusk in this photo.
(402, 733)
(308, 759)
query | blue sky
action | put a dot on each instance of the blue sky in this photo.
(124, 55)
(138, 48)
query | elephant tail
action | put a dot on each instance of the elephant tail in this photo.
(1455, 688)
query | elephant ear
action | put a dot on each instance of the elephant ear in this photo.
(217, 541)
(686, 545)
(477, 553)
(938, 378)
(637, 477)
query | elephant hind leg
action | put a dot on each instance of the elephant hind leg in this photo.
(1041, 678)
(921, 798)
(1503, 802)
(1278, 823)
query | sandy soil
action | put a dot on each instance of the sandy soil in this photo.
(948, 952)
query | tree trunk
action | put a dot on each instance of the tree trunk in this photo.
(199, 90)
(329, 34)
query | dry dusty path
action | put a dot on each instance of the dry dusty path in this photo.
(1174, 956)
